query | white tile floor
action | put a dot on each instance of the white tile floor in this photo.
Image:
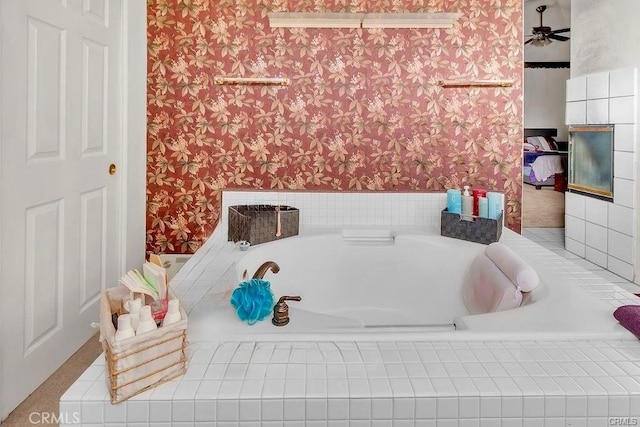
(553, 239)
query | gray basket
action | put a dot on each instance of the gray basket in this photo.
(480, 230)
(258, 223)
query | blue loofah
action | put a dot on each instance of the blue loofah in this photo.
(253, 300)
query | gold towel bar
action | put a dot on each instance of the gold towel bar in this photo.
(260, 81)
(474, 83)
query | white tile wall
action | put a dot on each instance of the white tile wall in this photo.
(598, 85)
(608, 237)
(622, 110)
(624, 192)
(596, 211)
(622, 82)
(624, 137)
(348, 209)
(620, 268)
(596, 237)
(624, 165)
(577, 89)
(574, 228)
(574, 205)
(595, 256)
(597, 111)
(576, 113)
(621, 246)
(621, 219)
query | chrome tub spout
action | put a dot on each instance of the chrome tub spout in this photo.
(262, 270)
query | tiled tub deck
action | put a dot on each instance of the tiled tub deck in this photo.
(382, 383)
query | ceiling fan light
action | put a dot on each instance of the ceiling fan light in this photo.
(540, 41)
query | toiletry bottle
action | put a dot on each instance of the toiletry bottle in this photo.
(133, 307)
(477, 193)
(146, 323)
(454, 201)
(467, 205)
(495, 202)
(173, 313)
(483, 207)
(124, 328)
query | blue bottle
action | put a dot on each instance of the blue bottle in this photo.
(495, 203)
(454, 201)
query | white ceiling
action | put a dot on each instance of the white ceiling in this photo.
(557, 15)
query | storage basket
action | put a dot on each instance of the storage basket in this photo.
(139, 363)
(480, 230)
(259, 223)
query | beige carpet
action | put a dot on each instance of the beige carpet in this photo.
(542, 208)
(46, 397)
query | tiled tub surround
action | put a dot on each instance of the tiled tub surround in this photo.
(604, 232)
(490, 382)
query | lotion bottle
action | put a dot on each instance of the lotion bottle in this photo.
(124, 328)
(453, 201)
(146, 323)
(467, 204)
(483, 207)
(173, 313)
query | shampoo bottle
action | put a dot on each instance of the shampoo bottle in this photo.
(495, 202)
(454, 202)
(124, 328)
(483, 207)
(467, 204)
(173, 313)
(133, 307)
(146, 323)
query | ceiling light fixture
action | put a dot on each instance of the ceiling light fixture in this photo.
(540, 41)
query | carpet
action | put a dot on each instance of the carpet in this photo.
(47, 397)
(542, 208)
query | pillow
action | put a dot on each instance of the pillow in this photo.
(528, 147)
(486, 289)
(519, 272)
(542, 143)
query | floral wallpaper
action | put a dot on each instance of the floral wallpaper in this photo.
(362, 112)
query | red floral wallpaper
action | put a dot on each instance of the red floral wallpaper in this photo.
(362, 113)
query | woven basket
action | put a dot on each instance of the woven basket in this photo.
(139, 363)
(480, 230)
(258, 223)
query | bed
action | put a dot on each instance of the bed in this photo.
(544, 158)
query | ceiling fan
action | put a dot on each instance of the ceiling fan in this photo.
(542, 35)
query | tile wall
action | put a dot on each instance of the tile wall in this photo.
(604, 232)
(328, 210)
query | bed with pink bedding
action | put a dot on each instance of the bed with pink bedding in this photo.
(542, 157)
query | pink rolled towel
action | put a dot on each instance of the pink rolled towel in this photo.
(629, 317)
(515, 268)
(486, 289)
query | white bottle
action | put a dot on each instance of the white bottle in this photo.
(173, 313)
(146, 323)
(124, 328)
(467, 204)
(133, 307)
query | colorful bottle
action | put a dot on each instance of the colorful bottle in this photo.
(477, 193)
(483, 207)
(495, 204)
(454, 201)
(467, 204)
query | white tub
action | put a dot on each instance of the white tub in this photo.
(409, 287)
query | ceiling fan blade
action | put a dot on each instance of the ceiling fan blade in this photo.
(528, 41)
(564, 30)
(557, 37)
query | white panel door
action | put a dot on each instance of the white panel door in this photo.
(60, 208)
